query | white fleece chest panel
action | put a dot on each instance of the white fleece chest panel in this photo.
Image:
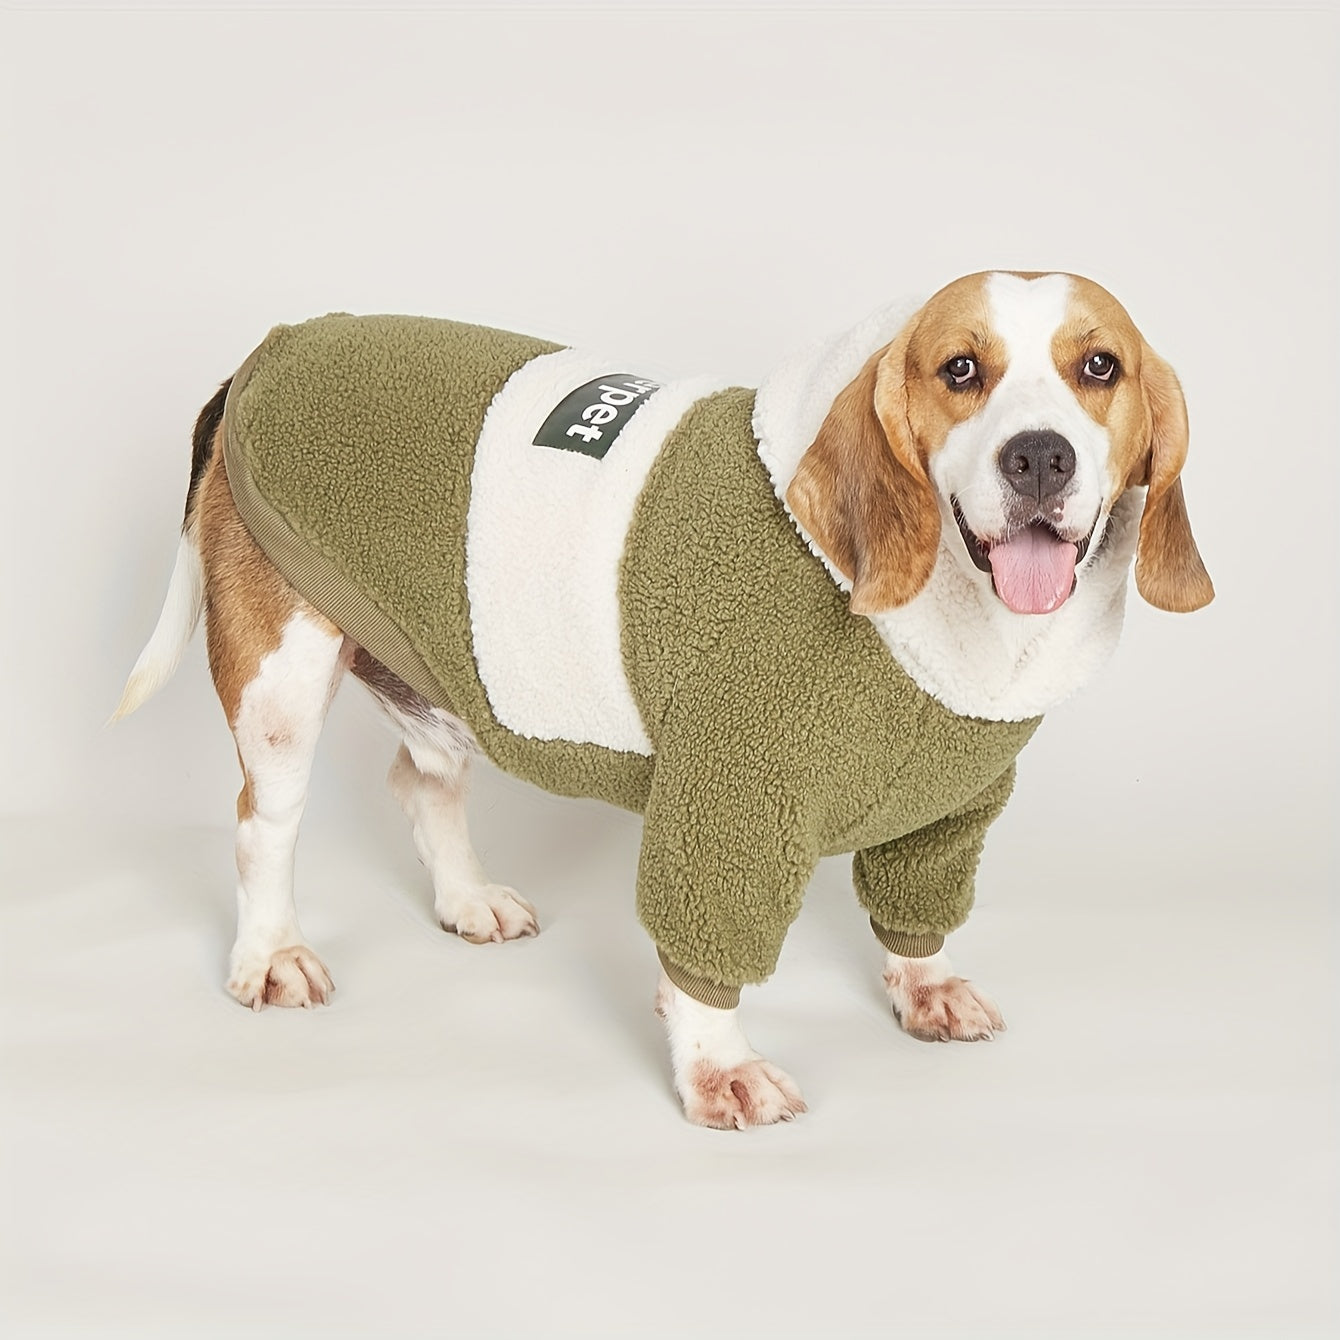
(956, 639)
(564, 452)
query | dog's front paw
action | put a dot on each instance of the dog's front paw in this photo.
(752, 1093)
(490, 913)
(292, 976)
(934, 1005)
(721, 1080)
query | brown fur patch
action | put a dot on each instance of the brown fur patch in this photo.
(1169, 572)
(955, 321)
(1097, 323)
(863, 489)
(387, 684)
(862, 492)
(1145, 415)
(247, 602)
(203, 441)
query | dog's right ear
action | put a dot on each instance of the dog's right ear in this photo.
(862, 491)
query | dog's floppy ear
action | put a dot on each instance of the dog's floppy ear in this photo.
(862, 491)
(1168, 568)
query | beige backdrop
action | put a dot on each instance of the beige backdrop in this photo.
(480, 1141)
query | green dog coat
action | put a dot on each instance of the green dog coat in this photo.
(593, 569)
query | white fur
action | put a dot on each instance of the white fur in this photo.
(957, 639)
(430, 777)
(440, 744)
(545, 536)
(278, 722)
(963, 646)
(431, 790)
(176, 622)
(721, 1080)
(1025, 314)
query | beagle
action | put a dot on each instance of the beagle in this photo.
(819, 618)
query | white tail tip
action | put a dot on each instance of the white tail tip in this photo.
(163, 652)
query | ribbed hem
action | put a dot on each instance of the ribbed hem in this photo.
(905, 944)
(716, 994)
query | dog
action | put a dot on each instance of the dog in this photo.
(819, 618)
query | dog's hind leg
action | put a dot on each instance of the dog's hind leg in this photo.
(276, 663)
(429, 778)
(279, 715)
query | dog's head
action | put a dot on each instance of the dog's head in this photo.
(1013, 409)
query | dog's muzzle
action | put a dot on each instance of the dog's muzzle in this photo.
(1032, 566)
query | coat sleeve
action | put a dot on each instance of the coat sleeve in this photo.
(919, 887)
(726, 854)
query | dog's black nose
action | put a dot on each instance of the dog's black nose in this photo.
(1038, 463)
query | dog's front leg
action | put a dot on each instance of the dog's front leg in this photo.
(725, 860)
(721, 1080)
(918, 888)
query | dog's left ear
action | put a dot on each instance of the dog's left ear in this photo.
(1169, 572)
(862, 491)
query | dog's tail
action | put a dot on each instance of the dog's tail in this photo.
(186, 587)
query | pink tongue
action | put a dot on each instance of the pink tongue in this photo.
(1034, 572)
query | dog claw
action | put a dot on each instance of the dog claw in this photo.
(292, 977)
(935, 1006)
(488, 915)
(752, 1093)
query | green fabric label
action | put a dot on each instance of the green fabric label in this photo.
(591, 417)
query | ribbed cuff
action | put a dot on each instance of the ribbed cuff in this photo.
(906, 945)
(716, 994)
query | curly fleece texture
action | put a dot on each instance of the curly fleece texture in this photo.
(782, 729)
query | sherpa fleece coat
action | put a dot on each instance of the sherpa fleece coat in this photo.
(593, 570)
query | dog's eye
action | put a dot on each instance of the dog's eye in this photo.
(960, 371)
(1101, 368)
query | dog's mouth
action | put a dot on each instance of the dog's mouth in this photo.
(1032, 567)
